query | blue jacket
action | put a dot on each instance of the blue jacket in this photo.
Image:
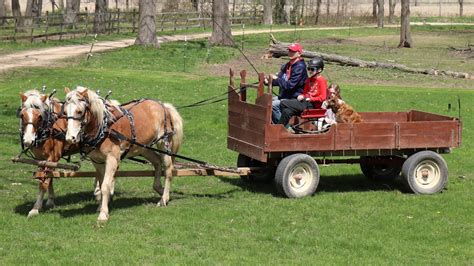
(290, 89)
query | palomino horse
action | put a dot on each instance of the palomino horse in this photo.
(43, 131)
(108, 137)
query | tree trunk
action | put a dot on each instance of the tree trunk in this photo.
(279, 49)
(328, 9)
(391, 10)
(195, 4)
(221, 33)
(267, 12)
(72, 8)
(3, 12)
(16, 11)
(60, 4)
(100, 17)
(405, 34)
(287, 9)
(374, 9)
(318, 11)
(380, 13)
(147, 32)
(461, 7)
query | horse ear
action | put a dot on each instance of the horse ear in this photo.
(44, 97)
(23, 97)
(84, 93)
(67, 90)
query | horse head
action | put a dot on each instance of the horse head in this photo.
(32, 114)
(84, 110)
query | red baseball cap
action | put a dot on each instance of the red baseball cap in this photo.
(295, 47)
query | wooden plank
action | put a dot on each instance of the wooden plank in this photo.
(426, 134)
(253, 137)
(380, 117)
(245, 122)
(250, 110)
(278, 139)
(425, 116)
(46, 163)
(246, 148)
(150, 173)
(373, 136)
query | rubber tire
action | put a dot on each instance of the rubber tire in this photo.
(379, 172)
(420, 159)
(245, 161)
(283, 178)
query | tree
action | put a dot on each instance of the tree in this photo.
(221, 33)
(318, 11)
(374, 9)
(72, 8)
(380, 13)
(391, 10)
(461, 7)
(405, 35)
(3, 12)
(147, 31)
(267, 12)
(100, 17)
(17, 12)
(328, 6)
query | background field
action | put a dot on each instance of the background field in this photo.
(213, 220)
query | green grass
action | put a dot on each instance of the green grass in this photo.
(216, 220)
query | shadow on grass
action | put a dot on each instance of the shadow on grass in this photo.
(87, 204)
(343, 183)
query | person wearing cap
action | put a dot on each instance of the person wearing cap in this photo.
(314, 93)
(290, 79)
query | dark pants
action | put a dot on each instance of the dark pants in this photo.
(291, 108)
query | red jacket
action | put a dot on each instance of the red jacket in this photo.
(315, 89)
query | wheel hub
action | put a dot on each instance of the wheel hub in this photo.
(427, 174)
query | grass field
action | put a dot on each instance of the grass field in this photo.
(216, 220)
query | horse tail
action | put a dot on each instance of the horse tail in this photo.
(177, 121)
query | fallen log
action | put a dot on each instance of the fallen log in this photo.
(278, 49)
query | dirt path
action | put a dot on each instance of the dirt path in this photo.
(51, 56)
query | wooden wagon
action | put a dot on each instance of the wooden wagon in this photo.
(384, 145)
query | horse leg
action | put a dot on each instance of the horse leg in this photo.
(168, 163)
(111, 164)
(51, 196)
(155, 159)
(39, 202)
(99, 170)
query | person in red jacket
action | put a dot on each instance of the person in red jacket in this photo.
(314, 93)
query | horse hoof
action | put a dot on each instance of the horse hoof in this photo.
(33, 213)
(103, 217)
(162, 203)
(50, 204)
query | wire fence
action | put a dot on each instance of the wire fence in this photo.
(55, 25)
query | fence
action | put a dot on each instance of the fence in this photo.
(53, 26)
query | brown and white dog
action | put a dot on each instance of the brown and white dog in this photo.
(344, 112)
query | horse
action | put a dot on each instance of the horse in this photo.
(109, 136)
(344, 112)
(43, 131)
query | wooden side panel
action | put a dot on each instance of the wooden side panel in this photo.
(246, 125)
(373, 136)
(426, 134)
(278, 139)
(384, 117)
(424, 116)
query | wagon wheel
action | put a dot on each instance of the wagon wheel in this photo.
(267, 174)
(297, 176)
(380, 168)
(425, 172)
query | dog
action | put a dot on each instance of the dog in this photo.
(344, 112)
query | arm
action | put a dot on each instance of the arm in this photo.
(321, 91)
(296, 76)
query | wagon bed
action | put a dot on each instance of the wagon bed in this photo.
(385, 143)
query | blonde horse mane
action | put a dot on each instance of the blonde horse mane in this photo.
(96, 104)
(33, 100)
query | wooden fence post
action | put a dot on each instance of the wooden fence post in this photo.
(133, 20)
(47, 25)
(118, 20)
(15, 29)
(87, 22)
(32, 29)
(61, 25)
